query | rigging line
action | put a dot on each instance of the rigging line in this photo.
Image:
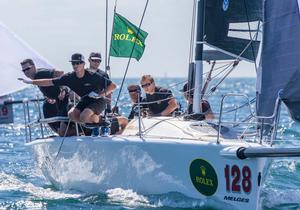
(257, 31)
(108, 60)
(222, 71)
(106, 32)
(208, 79)
(220, 67)
(192, 33)
(107, 57)
(241, 106)
(129, 60)
(235, 62)
(249, 28)
(63, 140)
(224, 77)
(155, 124)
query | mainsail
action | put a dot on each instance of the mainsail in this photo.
(280, 59)
(13, 51)
(231, 25)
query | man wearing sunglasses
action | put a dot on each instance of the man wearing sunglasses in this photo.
(135, 97)
(161, 101)
(92, 89)
(95, 61)
(56, 96)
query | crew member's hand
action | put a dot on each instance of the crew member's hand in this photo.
(94, 95)
(51, 101)
(103, 94)
(25, 81)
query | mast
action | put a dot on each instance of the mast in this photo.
(198, 56)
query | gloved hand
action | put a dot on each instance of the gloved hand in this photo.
(94, 95)
(25, 81)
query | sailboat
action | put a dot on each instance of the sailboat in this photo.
(199, 159)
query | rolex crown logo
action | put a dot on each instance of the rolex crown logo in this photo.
(203, 170)
(129, 31)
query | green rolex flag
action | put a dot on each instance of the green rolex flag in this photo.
(124, 35)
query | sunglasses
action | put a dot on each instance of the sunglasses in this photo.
(146, 85)
(26, 69)
(74, 63)
(95, 61)
(133, 91)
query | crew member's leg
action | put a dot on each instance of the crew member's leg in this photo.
(93, 108)
(74, 114)
(51, 110)
(89, 116)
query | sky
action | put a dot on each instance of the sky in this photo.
(59, 28)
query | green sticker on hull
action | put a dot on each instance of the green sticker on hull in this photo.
(204, 177)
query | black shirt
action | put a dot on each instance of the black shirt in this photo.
(83, 86)
(205, 108)
(51, 91)
(99, 71)
(102, 72)
(133, 111)
(158, 102)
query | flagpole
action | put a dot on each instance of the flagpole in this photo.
(107, 67)
(132, 50)
(106, 41)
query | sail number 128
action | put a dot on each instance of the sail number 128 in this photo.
(238, 179)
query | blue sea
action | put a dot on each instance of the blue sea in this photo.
(23, 186)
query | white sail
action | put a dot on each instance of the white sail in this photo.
(12, 51)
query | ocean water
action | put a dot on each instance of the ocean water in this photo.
(23, 186)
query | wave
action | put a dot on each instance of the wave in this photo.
(9, 182)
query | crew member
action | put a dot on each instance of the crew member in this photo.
(160, 100)
(206, 114)
(92, 89)
(135, 97)
(56, 97)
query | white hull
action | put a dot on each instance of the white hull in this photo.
(154, 165)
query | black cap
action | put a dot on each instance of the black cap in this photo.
(95, 56)
(77, 57)
(185, 89)
(133, 86)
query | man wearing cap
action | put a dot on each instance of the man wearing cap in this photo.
(92, 88)
(206, 114)
(95, 60)
(56, 96)
(135, 97)
(160, 100)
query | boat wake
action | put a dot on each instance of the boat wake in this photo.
(129, 199)
(40, 197)
(9, 182)
(35, 195)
